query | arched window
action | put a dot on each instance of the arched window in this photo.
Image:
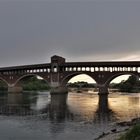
(54, 69)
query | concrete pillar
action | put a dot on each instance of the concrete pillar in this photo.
(103, 98)
(103, 89)
(59, 90)
(15, 89)
(56, 87)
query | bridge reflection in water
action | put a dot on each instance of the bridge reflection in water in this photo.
(56, 109)
(75, 114)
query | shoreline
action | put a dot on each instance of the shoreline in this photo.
(115, 134)
(112, 135)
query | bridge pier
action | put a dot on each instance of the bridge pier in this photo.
(103, 98)
(103, 89)
(59, 90)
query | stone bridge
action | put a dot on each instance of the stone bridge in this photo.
(58, 72)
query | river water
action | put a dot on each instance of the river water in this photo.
(38, 116)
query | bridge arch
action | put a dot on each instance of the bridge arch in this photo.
(29, 75)
(2, 79)
(119, 74)
(71, 75)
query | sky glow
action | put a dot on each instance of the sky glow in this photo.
(86, 78)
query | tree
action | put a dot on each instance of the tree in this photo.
(130, 85)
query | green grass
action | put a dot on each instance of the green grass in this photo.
(132, 134)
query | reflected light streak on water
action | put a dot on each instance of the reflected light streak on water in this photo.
(125, 107)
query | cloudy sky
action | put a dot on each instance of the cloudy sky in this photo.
(34, 30)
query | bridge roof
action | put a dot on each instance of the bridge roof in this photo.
(36, 66)
(80, 64)
(104, 64)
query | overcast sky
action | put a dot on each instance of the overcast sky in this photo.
(32, 31)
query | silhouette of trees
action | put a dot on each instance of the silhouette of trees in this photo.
(132, 84)
(81, 84)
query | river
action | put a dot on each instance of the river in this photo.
(38, 116)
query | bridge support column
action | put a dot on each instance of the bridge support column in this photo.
(56, 88)
(103, 98)
(15, 89)
(59, 90)
(103, 89)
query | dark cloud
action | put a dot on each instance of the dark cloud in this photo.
(33, 31)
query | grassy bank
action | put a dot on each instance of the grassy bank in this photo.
(132, 134)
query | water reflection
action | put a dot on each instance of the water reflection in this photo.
(134, 100)
(103, 103)
(57, 109)
(79, 113)
(125, 107)
(15, 104)
(58, 112)
(103, 113)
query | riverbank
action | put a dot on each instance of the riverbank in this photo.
(112, 136)
(121, 129)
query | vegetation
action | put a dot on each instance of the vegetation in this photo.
(81, 84)
(29, 83)
(3, 86)
(132, 84)
(33, 83)
(133, 134)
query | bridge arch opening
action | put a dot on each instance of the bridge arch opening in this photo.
(124, 83)
(32, 82)
(81, 83)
